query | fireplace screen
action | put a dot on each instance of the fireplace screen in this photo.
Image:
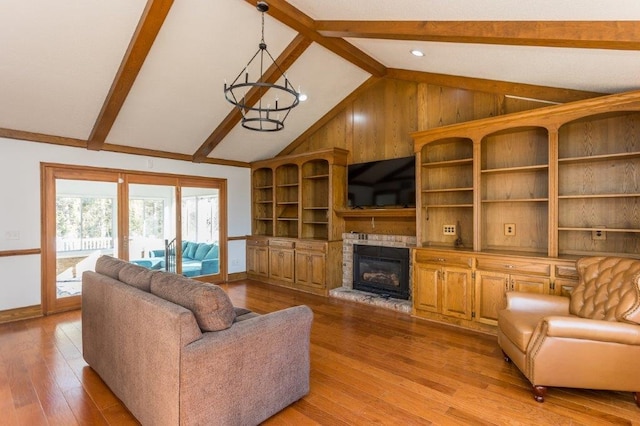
(381, 270)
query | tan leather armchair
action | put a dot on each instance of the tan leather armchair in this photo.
(591, 340)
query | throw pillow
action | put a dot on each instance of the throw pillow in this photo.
(109, 266)
(136, 276)
(209, 303)
(202, 251)
(213, 253)
(190, 251)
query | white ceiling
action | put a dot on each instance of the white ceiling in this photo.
(59, 59)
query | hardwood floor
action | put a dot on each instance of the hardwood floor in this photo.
(368, 366)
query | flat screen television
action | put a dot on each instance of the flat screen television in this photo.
(384, 183)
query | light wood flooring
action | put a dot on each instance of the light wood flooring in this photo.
(368, 366)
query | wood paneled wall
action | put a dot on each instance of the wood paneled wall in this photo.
(377, 125)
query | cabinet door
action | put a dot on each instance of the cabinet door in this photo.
(252, 262)
(564, 287)
(529, 284)
(490, 290)
(426, 287)
(457, 296)
(310, 268)
(281, 264)
(262, 261)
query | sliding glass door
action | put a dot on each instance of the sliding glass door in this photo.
(160, 222)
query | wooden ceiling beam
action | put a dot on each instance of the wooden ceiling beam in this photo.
(529, 91)
(618, 35)
(153, 17)
(290, 54)
(305, 25)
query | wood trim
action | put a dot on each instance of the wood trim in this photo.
(305, 25)
(20, 252)
(17, 314)
(40, 137)
(551, 117)
(238, 238)
(618, 35)
(237, 276)
(543, 93)
(121, 149)
(146, 32)
(292, 52)
(371, 81)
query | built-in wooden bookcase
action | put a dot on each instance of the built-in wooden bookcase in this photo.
(565, 181)
(315, 199)
(445, 177)
(297, 196)
(599, 185)
(514, 186)
(263, 194)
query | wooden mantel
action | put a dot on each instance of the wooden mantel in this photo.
(382, 213)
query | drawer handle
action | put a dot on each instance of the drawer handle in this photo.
(508, 266)
(441, 259)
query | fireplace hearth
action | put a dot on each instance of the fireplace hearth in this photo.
(381, 270)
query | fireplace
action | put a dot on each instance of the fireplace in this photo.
(381, 270)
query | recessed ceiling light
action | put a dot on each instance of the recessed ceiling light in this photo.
(418, 53)
(302, 97)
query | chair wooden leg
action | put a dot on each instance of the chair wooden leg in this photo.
(636, 396)
(506, 357)
(539, 392)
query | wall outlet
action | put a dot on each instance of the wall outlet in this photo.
(449, 229)
(12, 235)
(598, 233)
(510, 229)
(235, 262)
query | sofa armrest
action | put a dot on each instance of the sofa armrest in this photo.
(156, 253)
(532, 302)
(210, 266)
(248, 372)
(588, 329)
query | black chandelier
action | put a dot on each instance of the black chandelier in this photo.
(263, 116)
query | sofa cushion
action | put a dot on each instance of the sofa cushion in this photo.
(190, 250)
(519, 326)
(209, 303)
(136, 276)
(213, 253)
(109, 266)
(202, 251)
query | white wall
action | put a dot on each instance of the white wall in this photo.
(20, 206)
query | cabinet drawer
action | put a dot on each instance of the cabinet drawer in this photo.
(262, 243)
(509, 266)
(311, 246)
(282, 243)
(444, 259)
(567, 271)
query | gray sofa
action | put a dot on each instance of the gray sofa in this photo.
(176, 351)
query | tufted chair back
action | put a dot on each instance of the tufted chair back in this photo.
(609, 289)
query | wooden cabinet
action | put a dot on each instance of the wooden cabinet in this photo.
(258, 258)
(297, 196)
(311, 264)
(281, 260)
(468, 289)
(491, 288)
(443, 285)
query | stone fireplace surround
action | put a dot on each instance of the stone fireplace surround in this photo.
(347, 291)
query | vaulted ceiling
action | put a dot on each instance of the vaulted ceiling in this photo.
(146, 76)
